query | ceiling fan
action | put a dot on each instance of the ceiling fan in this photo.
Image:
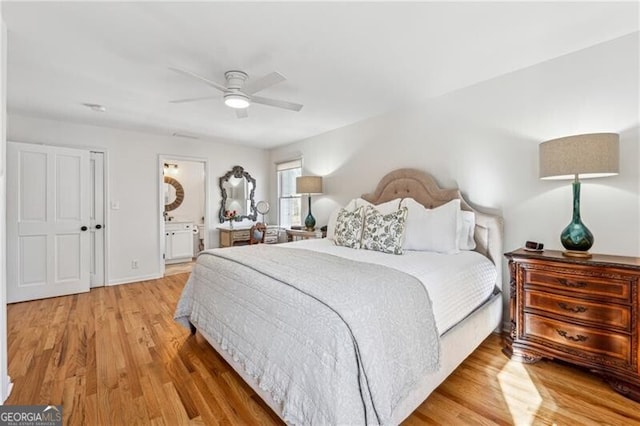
(238, 92)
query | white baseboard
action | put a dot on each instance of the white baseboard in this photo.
(7, 392)
(134, 279)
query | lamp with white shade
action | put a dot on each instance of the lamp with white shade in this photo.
(573, 157)
(309, 185)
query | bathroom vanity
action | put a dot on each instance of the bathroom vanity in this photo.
(178, 241)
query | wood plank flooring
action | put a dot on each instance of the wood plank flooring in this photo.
(178, 268)
(114, 356)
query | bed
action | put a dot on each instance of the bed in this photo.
(333, 335)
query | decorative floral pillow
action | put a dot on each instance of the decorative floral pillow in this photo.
(348, 230)
(384, 232)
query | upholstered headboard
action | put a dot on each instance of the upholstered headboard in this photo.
(422, 187)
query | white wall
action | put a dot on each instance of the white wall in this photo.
(133, 182)
(484, 140)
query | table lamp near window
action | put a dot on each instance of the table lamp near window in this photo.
(309, 185)
(573, 157)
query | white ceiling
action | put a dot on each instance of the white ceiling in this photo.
(344, 61)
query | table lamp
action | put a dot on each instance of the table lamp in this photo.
(309, 185)
(573, 157)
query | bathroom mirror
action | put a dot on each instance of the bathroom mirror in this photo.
(173, 194)
(237, 188)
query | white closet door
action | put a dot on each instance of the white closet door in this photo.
(47, 221)
(97, 220)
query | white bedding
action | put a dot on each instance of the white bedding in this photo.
(456, 283)
(333, 341)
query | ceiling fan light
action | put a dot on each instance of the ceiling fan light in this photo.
(236, 100)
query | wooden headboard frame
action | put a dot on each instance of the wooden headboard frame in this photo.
(422, 187)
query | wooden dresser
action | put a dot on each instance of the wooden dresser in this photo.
(583, 311)
(240, 236)
(234, 236)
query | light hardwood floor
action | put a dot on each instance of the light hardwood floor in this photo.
(178, 268)
(114, 356)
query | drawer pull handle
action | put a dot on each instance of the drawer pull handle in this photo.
(578, 338)
(572, 284)
(576, 309)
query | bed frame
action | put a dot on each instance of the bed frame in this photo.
(459, 341)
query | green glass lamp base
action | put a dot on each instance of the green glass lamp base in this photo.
(310, 222)
(576, 237)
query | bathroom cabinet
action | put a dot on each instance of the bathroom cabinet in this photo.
(178, 246)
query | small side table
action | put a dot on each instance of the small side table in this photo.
(234, 236)
(302, 234)
(272, 234)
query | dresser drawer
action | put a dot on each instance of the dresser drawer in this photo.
(241, 235)
(591, 286)
(587, 342)
(599, 314)
(272, 231)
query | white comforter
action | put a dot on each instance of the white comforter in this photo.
(332, 340)
(457, 283)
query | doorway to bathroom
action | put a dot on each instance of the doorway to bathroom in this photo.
(184, 207)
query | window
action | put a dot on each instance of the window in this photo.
(289, 203)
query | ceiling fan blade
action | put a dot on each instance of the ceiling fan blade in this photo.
(199, 98)
(242, 113)
(263, 82)
(276, 103)
(211, 83)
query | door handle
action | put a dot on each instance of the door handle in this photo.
(98, 226)
(84, 228)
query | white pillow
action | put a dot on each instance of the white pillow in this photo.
(432, 229)
(384, 208)
(331, 223)
(389, 207)
(466, 230)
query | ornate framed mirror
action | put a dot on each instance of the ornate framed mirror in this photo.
(173, 194)
(237, 188)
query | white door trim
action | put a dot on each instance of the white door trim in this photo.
(162, 158)
(5, 380)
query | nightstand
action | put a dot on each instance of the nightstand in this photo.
(582, 311)
(302, 234)
(271, 237)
